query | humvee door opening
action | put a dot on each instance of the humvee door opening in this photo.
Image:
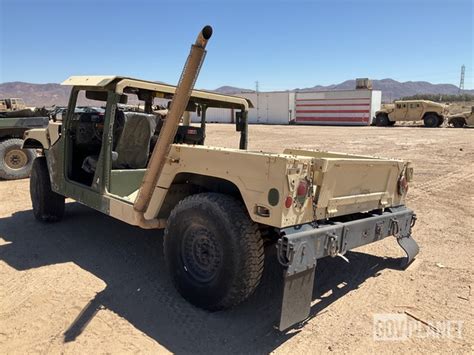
(122, 136)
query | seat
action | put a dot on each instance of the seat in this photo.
(132, 136)
(133, 143)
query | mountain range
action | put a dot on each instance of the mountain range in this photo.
(55, 94)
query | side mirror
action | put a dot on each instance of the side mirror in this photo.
(114, 156)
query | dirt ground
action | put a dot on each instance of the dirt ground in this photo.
(91, 284)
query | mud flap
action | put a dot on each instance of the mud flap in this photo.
(297, 293)
(410, 247)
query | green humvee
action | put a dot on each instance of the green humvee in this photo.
(463, 119)
(431, 113)
(218, 206)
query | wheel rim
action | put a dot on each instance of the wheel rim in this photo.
(432, 121)
(201, 254)
(15, 159)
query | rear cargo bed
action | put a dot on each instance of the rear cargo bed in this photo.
(347, 184)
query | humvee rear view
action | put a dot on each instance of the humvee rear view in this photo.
(217, 205)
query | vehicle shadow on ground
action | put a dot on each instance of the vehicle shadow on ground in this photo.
(130, 261)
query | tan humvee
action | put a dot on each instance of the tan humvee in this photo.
(462, 119)
(431, 113)
(217, 205)
(13, 104)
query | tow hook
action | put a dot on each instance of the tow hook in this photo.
(413, 220)
(333, 248)
(395, 228)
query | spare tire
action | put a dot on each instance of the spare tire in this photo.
(15, 163)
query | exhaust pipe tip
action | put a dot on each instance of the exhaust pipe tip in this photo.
(207, 32)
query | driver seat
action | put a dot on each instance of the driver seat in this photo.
(132, 136)
(133, 142)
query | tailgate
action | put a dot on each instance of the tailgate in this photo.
(348, 184)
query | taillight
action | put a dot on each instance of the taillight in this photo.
(302, 191)
(402, 185)
(288, 202)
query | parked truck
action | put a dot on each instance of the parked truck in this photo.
(431, 113)
(15, 119)
(217, 206)
(462, 119)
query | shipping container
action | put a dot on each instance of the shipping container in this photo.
(341, 107)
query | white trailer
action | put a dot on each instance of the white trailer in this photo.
(270, 107)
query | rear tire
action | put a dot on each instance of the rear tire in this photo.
(431, 120)
(48, 206)
(213, 251)
(381, 120)
(15, 163)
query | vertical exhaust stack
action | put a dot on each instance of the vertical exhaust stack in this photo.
(170, 127)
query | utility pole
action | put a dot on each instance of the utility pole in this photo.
(258, 106)
(461, 82)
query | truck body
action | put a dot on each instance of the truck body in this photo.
(431, 113)
(463, 119)
(15, 162)
(217, 205)
(12, 104)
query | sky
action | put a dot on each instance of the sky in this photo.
(281, 44)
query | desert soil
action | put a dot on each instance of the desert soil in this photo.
(92, 284)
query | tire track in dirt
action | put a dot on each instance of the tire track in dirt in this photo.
(442, 182)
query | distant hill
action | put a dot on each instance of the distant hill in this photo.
(391, 89)
(55, 94)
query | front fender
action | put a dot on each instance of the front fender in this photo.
(36, 138)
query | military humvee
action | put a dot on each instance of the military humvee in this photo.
(463, 119)
(12, 104)
(15, 119)
(218, 206)
(431, 113)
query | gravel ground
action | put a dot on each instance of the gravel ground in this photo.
(91, 284)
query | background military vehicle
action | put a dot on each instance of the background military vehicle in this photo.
(12, 104)
(463, 119)
(15, 119)
(218, 206)
(431, 113)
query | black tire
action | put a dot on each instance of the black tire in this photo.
(457, 122)
(440, 121)
(15, 163)
(381, 120)
(48, 206)
(431, 120)
(213, 251)
(391, 123)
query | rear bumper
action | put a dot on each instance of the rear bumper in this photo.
(301, 246)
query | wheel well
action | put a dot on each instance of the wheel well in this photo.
(185, 184)
(32, 143)
(431, 113)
